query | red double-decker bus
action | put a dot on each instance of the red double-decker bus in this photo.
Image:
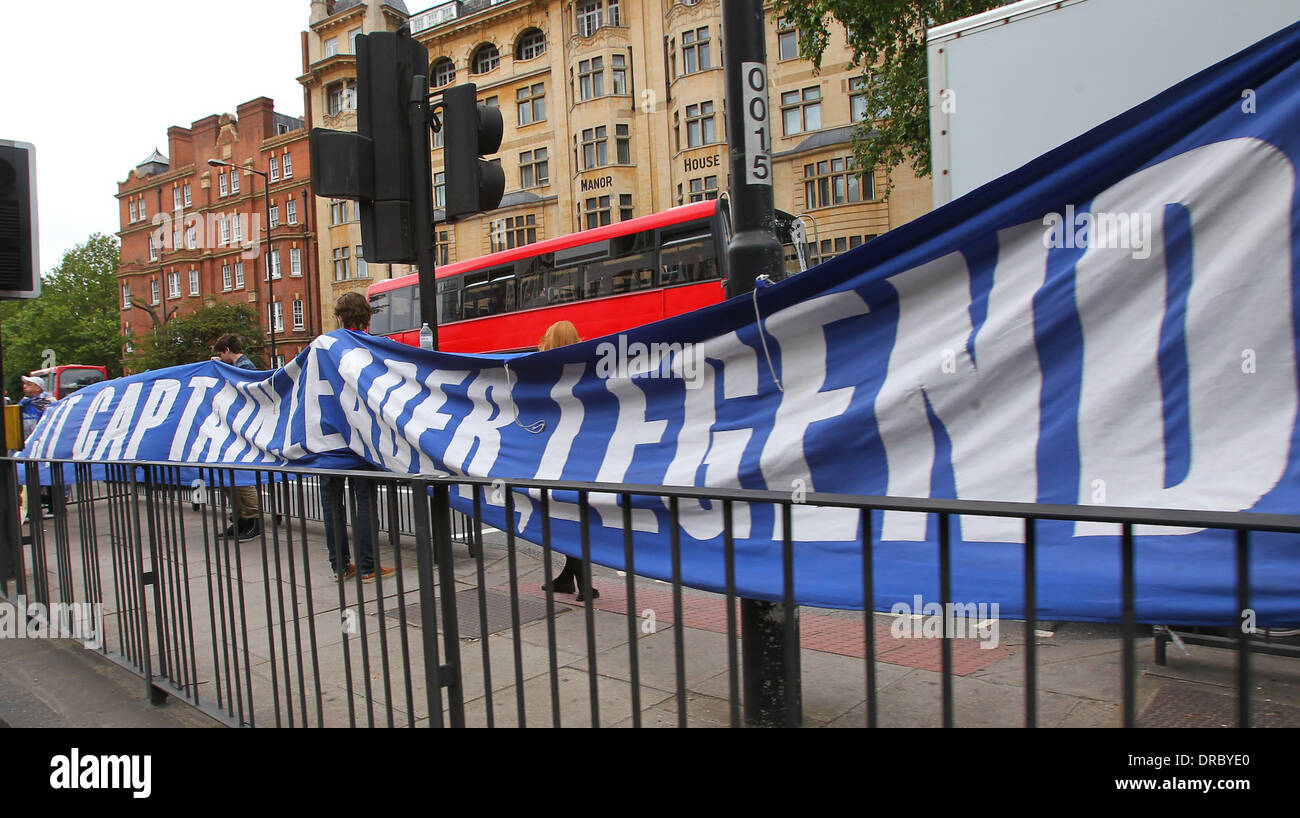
(606, 279)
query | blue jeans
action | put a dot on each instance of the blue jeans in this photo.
(363, 503)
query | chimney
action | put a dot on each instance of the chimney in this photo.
(256, 120)
(180, 146)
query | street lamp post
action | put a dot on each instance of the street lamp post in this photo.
(270, 277)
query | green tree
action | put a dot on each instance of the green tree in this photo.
(187, 339)
(888, 42)
(76, 319)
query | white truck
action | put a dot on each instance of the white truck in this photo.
(1010, 84)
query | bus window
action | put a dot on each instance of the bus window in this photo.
(379, 314)
(403, 308)
(489, 293)
(532, 283)
(688, 261)
(449, 300)
(562, 286)
(620, 275)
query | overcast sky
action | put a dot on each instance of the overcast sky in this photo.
(95, 85)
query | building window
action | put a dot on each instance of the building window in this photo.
(835, 182)
(591, 16)
(237, 229)
(363, 271)
(444, 248)
(695, 50)
(194, 282)
(291, 211)
(131, 206)
(531, 44)
(176, 198)
(341, 96)
(221, 184)
(288, 166)
(225, 277)
(625, 208)
(273, 213)
(173, 284)
(531, 101)
(440, 189)
(338, 211)
(234, 181)
(623, 144)
(274, 161)
(514, 231)
(534, 169)
(597, 211)
(295, 261)
(858, 98)
(830, 248)
(126, 296)
(444, 72)
(353, 34)
(331, 46)
(153, 292)
(188, 201)
(595, 150)
(142, 209)
(704, 188)
(591, 78)
(802, 110)
(273, 264)
(276, 313)
(485, 59)
(153, 250)
(618, 75)
(239, 275)
(699, 125)
(340, 264)
(191, 238)
(787, 40)
(298, 314)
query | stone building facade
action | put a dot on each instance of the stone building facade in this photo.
(612, 109)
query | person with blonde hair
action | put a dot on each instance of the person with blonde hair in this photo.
(563, 333)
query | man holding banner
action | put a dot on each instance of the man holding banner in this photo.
(353, 312)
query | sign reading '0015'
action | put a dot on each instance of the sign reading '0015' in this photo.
(758, 139)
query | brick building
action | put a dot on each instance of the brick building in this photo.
(194, 234)
(612, 109)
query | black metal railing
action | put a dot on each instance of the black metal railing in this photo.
(260, 632)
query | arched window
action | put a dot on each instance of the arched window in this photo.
(444, 72)
(532, 43)
(486, 58)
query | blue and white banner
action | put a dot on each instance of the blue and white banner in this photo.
(1114, 324)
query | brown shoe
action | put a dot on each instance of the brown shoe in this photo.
(384, 571)
(348, 574)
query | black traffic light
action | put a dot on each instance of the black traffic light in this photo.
(385, 164)
(470, 131)
(20, 275)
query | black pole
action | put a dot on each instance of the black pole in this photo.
(754, 249)
(422, 201)
(771, 630)
(10, 531)
(270, 275)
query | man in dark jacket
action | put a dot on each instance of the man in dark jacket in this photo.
(248, 506)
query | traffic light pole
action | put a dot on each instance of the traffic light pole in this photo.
(422, 203)
(773, 686)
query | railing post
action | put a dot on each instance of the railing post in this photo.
(770, 630)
